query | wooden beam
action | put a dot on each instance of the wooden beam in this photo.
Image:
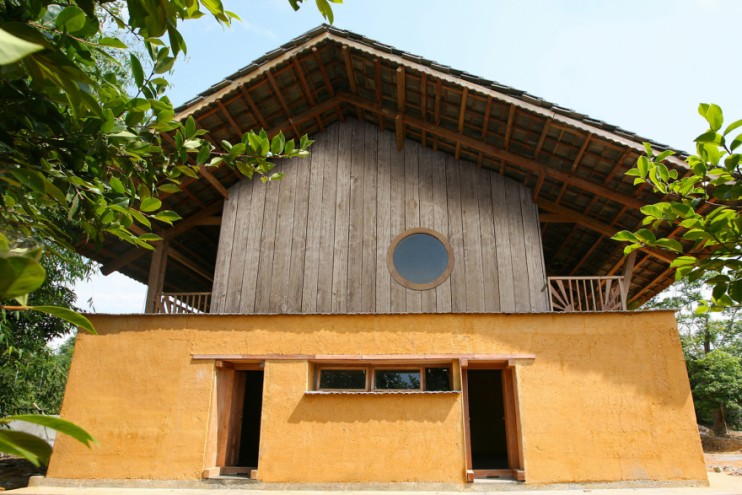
(399, 132)
(660, 278)
(180, 227)
(350, 73)
(232, 122)
(462, 114)
(377, 88)
(628, 272)
(186, 261)
(542, 138)
(156, 279)
(256, 113)
(209, 221)
(213, 181)
(606, 230)
(580, 153)
(424, 102)
(282, 102)
(509, 127)
(326, 79)
(401, 90)
(496, 152)
(539, 185)
(307, 91)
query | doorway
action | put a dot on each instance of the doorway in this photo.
(489, 448)
(493, 445)
(252, 407)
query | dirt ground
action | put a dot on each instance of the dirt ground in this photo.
(722, 454)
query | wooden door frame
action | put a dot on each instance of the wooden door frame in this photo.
(511, 410)
(225, 426)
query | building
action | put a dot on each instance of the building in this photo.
(432, 296)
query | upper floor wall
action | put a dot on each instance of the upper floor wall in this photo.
(317, 241)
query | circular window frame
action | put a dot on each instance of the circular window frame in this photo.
(408, 283)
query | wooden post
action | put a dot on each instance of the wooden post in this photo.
(628, 270)
(156, 276)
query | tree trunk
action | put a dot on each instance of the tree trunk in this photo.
(720, 421)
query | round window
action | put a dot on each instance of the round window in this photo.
(420, 259)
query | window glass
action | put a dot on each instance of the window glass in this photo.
(420, 258)
(343, 379)
(397, 379)
(437, 379)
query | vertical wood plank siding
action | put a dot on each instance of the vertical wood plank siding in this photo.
(316, 242)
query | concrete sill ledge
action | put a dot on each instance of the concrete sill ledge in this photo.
(381, 392)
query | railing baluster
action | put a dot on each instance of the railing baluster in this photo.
(586, 293)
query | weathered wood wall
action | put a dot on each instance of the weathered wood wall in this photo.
(316, 241)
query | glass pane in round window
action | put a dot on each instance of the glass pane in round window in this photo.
(420, 258)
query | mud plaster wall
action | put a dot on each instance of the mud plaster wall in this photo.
(606, 399)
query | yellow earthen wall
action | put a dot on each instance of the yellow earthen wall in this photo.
(606, 399)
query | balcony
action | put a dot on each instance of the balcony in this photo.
(183, 302)
(566, 294)
(574, 294)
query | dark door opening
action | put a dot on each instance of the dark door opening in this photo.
(251, 409)
(487, 427)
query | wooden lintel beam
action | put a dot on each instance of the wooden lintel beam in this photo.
(213, 181)
(174, 231)
(251, 103)
(507, 156)
(401, 90)
(580, 153)
(188, 263)
(509, 127)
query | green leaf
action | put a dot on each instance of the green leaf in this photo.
(12, 48)
(169, 188)
(277, 144)
(71, 19)
(646, 236)
(57, 424)
(150, 204)
(167, 216)
(213, 6)
(67, 315)
(19, 275)
(624, 236)
(190, 127)
(714, 117)
(25, 445)
(203, 154)
(116, 185)
(112, 42)
(136, 70)
(642, 164)
(670, 244)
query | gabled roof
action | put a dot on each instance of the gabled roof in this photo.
(574, 165)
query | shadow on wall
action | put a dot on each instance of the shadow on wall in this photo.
(392, 408)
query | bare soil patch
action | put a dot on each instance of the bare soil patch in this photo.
(722, 454)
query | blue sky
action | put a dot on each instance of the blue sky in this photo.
(642, 65)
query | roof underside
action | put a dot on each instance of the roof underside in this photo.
(574, 165)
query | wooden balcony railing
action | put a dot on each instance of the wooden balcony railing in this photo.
(587, 293)
(184, 302)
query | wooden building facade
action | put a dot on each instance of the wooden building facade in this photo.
(431, 296)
